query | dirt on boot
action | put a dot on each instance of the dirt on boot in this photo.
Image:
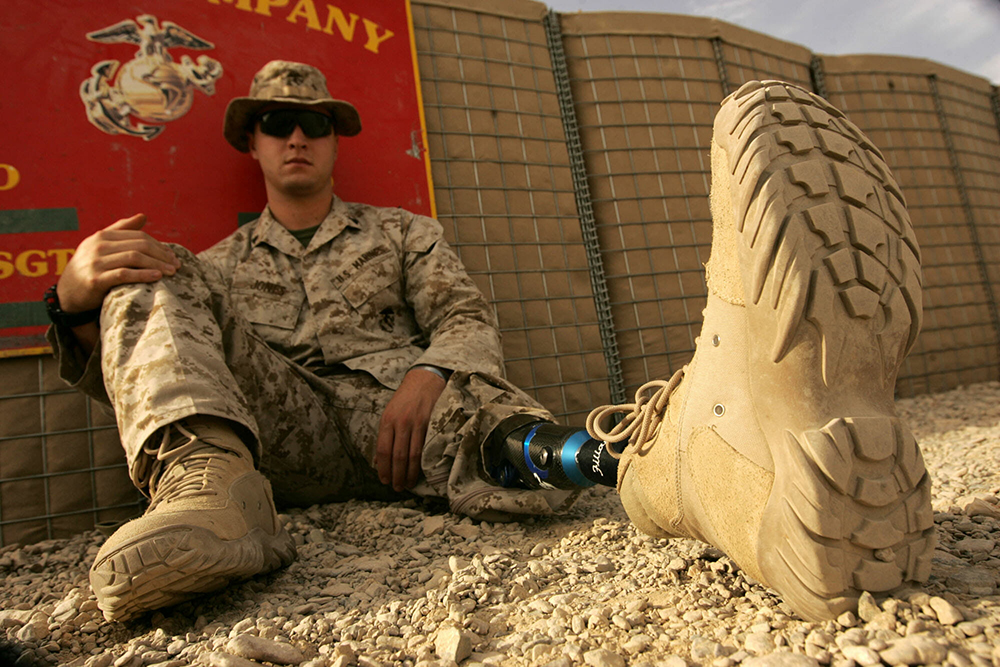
(781, 445)
(211, 521)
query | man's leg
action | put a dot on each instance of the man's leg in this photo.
(199, 397)
(464, 459)
(780, 443)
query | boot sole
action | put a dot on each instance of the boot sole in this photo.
(831, 277)
(178, 563)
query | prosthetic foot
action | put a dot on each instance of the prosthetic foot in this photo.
(779, 442)
(211, 520)
(526, 452)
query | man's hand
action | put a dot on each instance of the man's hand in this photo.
(118, 254)
(403, 428)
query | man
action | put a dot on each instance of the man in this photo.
(339, 348)
(342, 351)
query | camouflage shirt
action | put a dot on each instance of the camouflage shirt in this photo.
(376, 289)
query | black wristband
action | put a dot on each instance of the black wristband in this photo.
(61, 318)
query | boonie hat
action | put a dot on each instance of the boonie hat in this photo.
(295, 83)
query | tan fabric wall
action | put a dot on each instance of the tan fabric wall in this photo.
(646, 88)
(893, 101)
(505, 194)
(59, 457)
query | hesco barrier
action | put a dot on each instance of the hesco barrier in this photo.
(571, 172)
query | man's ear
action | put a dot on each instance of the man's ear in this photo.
(252, 144)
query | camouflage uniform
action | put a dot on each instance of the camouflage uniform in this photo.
(303, 347)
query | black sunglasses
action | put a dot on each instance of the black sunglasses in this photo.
(281, 123)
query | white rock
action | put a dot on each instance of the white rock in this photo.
(563, 598)
(704, 649)
(861, 655)
(35, 631)
(946, 612)
(563, 661)
(602, 657)
(974, 545)
(66, 609)
(847, 619)
(867, 607)
(542, 606)
(781, 660)
(452, 644)
(465, 530)
(970, 629)
(914, 650)
(759, 643)
(980, 507)
(637, 644)
(338, 590)
(433, 525)
(456, 563)
(219, 659)
(267, 650)
(673, 661)
(126, 658)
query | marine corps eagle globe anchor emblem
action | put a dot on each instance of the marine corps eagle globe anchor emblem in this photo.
(151, 88)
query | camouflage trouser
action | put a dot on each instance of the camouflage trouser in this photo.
(177, 347)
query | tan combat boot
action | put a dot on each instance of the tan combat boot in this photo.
(211, 520)
(780, 443)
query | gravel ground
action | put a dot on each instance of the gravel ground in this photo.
(408, 584)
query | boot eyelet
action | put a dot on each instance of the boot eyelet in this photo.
(719, 410)
(716, 340)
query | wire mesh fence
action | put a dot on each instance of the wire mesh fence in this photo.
(62, 469)
(646, 89)
(505, 194)
(913, 114)
(570, 159)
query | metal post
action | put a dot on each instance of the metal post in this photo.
(585, 208)
(817, 74)
(966, 205)
(995, 102)
(720, 62)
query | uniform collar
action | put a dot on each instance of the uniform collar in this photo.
(268, 230)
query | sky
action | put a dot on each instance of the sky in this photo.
(961, 33)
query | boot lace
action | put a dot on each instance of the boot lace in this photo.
(642, 418)
(189, 469)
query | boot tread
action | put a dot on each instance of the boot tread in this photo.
(178, 564)
(782, 140)
(828, 254)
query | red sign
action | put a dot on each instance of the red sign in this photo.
(115, 108)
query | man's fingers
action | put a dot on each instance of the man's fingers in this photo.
(114, 241)
(136, 221)
(401, 458)
(135, 257)
(416, 449)
(122, 276)
(383, 453)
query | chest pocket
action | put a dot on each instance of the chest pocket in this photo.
(375, 285)
(267, 310)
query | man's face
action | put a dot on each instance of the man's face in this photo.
(295, 165)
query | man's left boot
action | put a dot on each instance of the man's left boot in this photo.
(211, 521)
(779, 442)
